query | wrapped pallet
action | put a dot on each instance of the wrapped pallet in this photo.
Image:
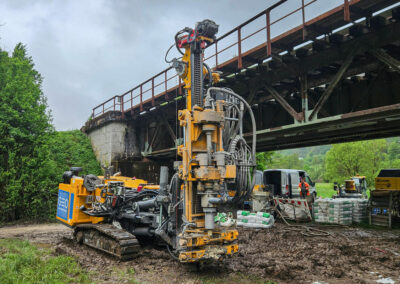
(360, 210)
(321, 210)
(259, 220)
(342, 211)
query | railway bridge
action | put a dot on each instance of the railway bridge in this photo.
(311, 79)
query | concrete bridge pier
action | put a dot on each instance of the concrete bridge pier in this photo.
(123, 144)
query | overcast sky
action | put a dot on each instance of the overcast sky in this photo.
(88, 51)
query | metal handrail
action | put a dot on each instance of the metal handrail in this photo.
(238, 43)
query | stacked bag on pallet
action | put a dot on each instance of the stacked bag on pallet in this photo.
(321, 210)
(340, 211)
(259, 220)
(360, 210)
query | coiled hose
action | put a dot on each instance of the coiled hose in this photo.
(239, 149)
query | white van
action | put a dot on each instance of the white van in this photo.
(285, 182)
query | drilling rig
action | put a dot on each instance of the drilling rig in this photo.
(115, 214)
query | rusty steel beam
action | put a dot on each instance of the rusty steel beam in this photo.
(334, 54)
(297, 116)
(327, 127)
(371, 83)
(372, 111)
(333, 84)
(385, 58)
(323, 111)
(153, 139)
(314, 82)
(164, 121)
(171, 132)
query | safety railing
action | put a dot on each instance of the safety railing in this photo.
(167, 81)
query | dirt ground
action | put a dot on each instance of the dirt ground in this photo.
(280, 254)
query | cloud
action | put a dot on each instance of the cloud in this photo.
(89, 51)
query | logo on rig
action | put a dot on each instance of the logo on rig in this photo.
(62, 204)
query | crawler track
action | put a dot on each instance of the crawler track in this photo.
(109, 239)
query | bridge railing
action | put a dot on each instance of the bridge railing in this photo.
(236, 41)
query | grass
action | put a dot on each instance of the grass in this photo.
(325, 190)
(22, 262)
(125, 275)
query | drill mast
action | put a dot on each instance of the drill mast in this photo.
(207, 168)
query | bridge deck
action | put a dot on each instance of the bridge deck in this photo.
(146, 96)
(333, 78)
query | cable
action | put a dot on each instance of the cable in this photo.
(241, 154)
(172, 255)
(187, 30)
(209, 74)
(166, 54)
(176, 120)
(253, 120)
(304, 230)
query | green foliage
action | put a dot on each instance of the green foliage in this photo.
(264, 159)
(349, 159)
(291, 161)
(392, 159)
(125, 275)
(24, 125)
(73, 148)
(325, 190)
(315, 166)
(276, 160)
(338, 162)
(21, 262)
(32, 155)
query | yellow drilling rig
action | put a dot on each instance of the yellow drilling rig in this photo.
(115, 214)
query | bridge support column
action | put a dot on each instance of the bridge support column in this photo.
(108, 142)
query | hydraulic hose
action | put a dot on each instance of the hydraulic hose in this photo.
(166, 54)
(243, 171)
(172, 255)
(253, 120)
(187, 30)
(209, 74)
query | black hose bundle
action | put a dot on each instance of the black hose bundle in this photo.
(242, 155)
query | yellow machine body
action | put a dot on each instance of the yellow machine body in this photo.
(202, 127)
(350, 185)
(388, 179)
(387, 183)
(72, 196)
(258, 187)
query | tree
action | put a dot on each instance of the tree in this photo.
(393, 153)
(348, 159)
(24, 123)
(270, 160)
(32, 155)
(264, 159)
(315, 166)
